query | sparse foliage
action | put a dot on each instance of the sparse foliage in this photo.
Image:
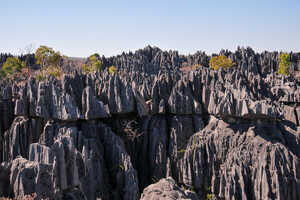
(50, 61)
(284, 64)
(11, 67)
(220, 61)
(2, 74)
(94, 64)
(112, 69)
(40, 76)
(196, 66)
(54, 71)
(46, 57)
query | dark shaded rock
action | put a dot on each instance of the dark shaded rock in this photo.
(298, 115)
(65, 173)
(41, 154)
(154, 150)
(49, 133)
(5, 187)
(18, 139)
(123, 175)
(181, 129)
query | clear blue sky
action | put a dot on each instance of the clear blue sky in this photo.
(83, 27)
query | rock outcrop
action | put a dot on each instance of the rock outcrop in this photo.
(167, 189)
(226, 134)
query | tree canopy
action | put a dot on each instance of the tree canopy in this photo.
(284, 64)
(94, 64)
(220, 61)
(46, 57)
(11, 66)
(112, 69)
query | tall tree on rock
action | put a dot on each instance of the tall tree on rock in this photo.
(47, 57)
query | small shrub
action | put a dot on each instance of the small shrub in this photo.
(94, 64)
(97, 65)
(181, 151)
(12, 66)
(85, 68)
(209, 196)
(196, 66)
(112, 69)
(220, 61)
(54, 71)
(284, 64)
(40, 76)
(122, 167)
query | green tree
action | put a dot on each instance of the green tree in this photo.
(49, 60)
(220, 61)
(2, 74)
(284, 64)
(94, 64)
(46, 57)
(11, 66)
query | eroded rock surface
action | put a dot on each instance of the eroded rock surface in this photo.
(167, 189)
(226, 134)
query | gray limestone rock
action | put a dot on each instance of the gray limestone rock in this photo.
(120, 96)
(93, 108)
(124, 180)
(289, 114)
(167, 189)
(29, 177)
(18, 139)
(181, 100)
(65, 174)
(41, 154)
(241, 162)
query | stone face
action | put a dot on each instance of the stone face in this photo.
(125, 177)
(29, 177)
(19, 138)
(41, 154)
(167, 189)
(289, 114)
(155, 147)
(66, 169)
(182, 129)
(120, 96)
(91, 107)
(181, 99)
(233, 162)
